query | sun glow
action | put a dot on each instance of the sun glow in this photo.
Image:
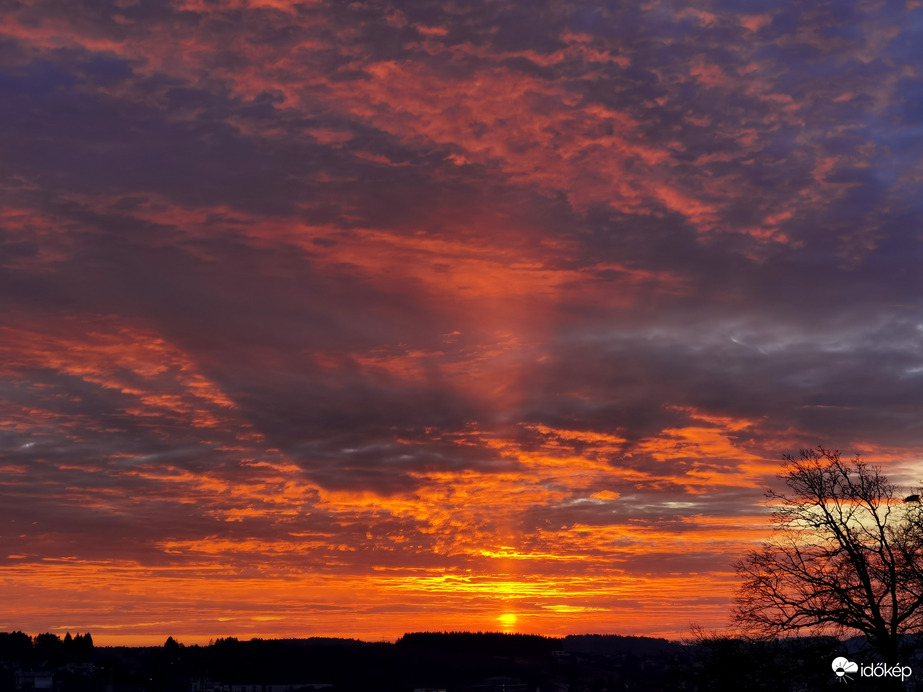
(507, 620)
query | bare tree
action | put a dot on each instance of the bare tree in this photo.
(846, 555)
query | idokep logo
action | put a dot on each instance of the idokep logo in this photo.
(842, 667)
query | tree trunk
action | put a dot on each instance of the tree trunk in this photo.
(889, 649)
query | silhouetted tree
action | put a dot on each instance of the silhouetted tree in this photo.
(845, 555)
(83, 645)
(48, 647)
(15, 646)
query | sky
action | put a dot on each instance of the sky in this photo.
(357, 318)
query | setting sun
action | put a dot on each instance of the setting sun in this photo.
(508, 620)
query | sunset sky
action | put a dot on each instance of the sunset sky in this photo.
(352, 319)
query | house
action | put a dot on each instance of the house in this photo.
(34, 680)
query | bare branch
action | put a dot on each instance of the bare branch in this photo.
(844, 555)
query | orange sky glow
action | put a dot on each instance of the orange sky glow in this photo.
(356, 319)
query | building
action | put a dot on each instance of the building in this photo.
(34, 680)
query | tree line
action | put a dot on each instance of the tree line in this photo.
(47, 647)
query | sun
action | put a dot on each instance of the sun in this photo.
(508, 620)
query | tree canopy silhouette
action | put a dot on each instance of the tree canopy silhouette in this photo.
(846, 554)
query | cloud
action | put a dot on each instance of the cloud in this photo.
(418, 304)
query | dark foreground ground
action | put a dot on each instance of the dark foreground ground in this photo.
(440, 662)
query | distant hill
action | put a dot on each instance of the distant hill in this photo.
(612, 644)
(481, 643)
